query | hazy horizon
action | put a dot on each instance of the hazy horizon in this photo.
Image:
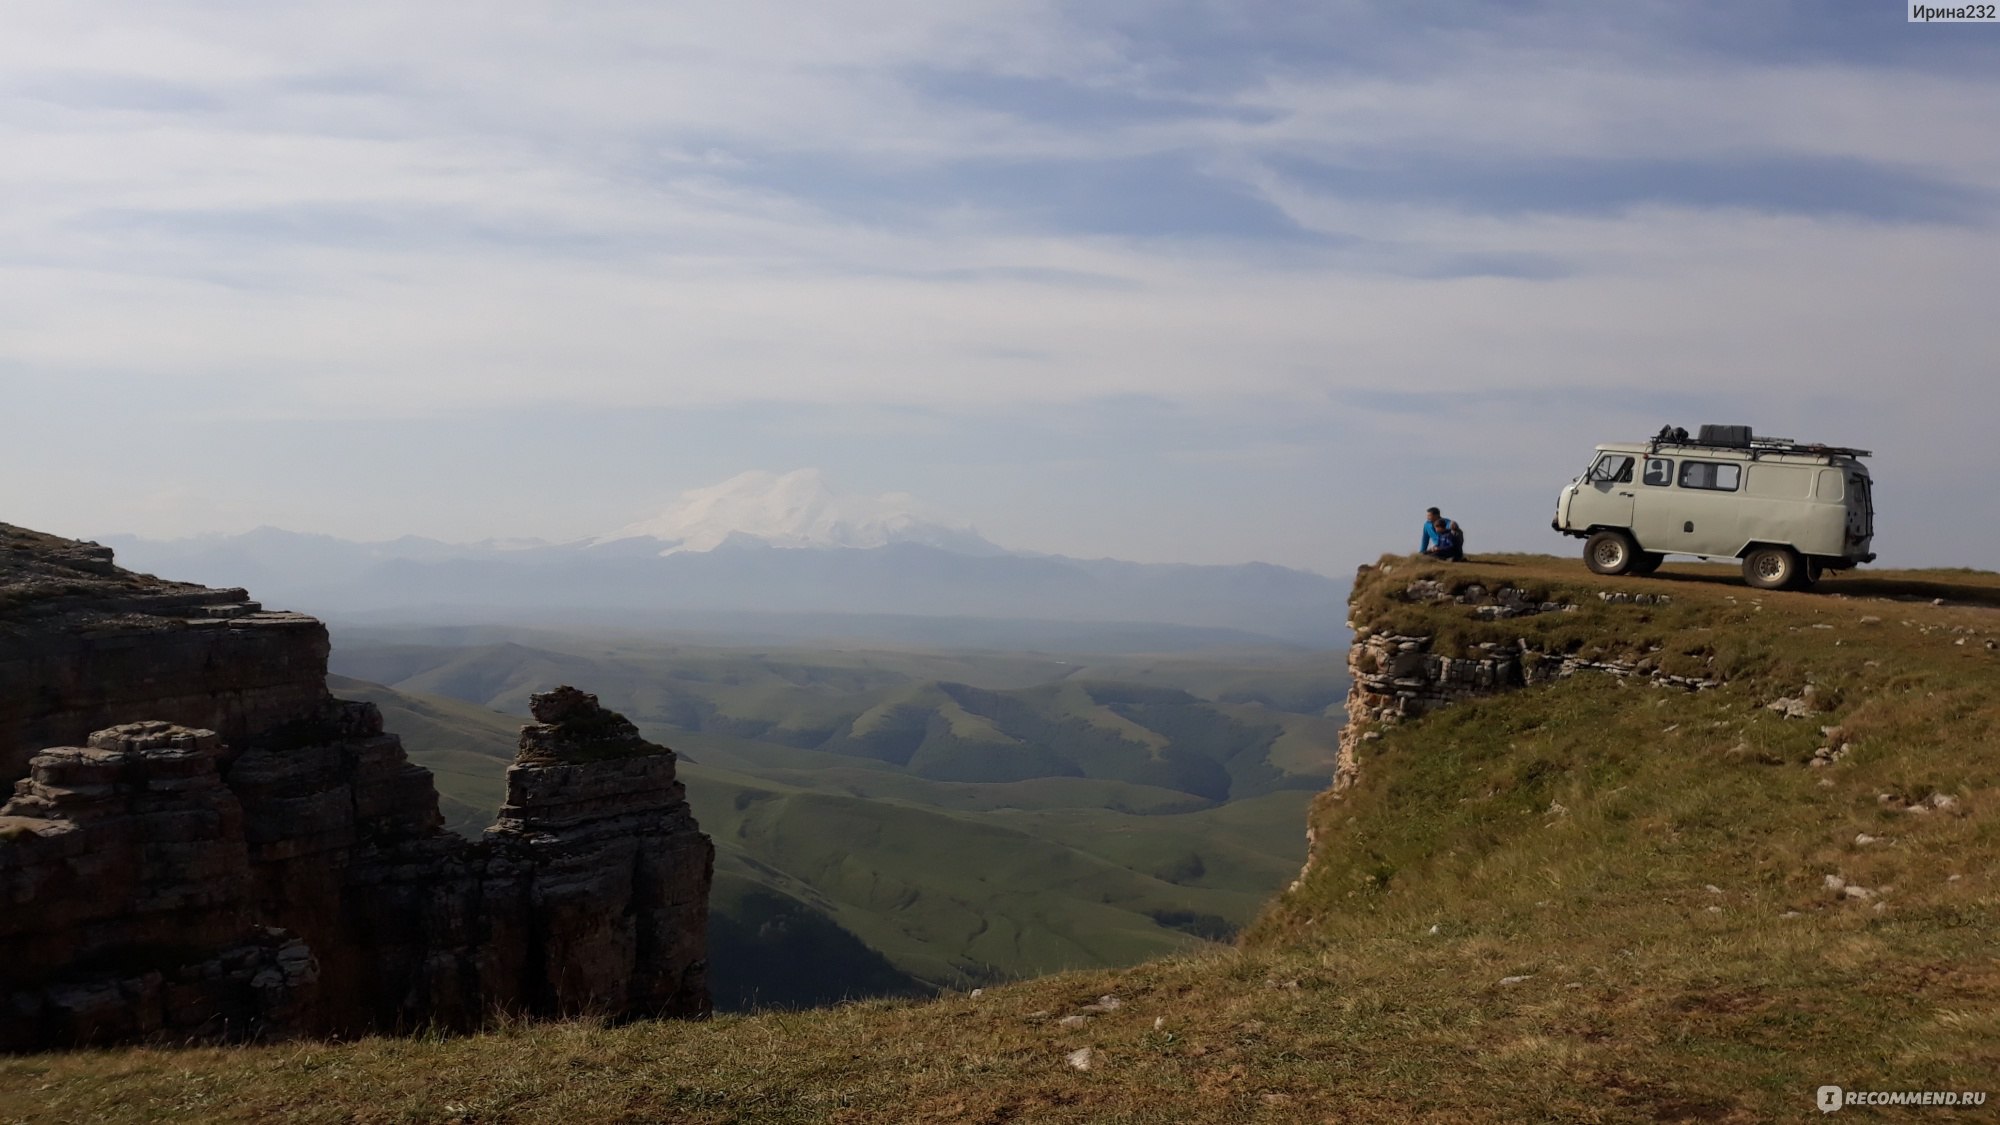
(1204, 283)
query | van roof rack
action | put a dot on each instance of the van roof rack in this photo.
(1740, 438)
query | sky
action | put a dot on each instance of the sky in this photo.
(1167, 281)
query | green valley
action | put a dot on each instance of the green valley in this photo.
(910, 820)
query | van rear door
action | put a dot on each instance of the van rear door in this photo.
(1860, 511)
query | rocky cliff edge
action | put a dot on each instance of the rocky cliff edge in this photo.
(203, 843)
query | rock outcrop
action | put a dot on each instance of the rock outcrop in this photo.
(1396, 676)
(218, 849)
(85, 645)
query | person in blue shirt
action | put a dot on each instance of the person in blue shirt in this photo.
(1442, 537)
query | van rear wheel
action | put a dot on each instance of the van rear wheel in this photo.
(1647, 562)
(1610, 552)
(1773, 568)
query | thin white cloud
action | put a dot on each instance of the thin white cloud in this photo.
(392, 211)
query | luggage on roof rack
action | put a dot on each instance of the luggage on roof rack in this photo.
(1742, 438)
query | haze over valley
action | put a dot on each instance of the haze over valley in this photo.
(773, 555)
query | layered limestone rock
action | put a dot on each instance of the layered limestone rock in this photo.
(127, 895)
(613, 874)
(85, 645)
(284, 869)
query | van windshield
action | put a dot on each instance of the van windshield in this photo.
(1611, 468)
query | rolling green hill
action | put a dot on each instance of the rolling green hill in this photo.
(1588, 900)
(968, 717)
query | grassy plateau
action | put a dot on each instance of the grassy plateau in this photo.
(1594, 900)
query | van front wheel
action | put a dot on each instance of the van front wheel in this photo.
(1773, 568)
(1609, 552)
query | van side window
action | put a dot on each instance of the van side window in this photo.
(1612, 468)
(1659, 471)
(1715, 476)
(1830, 485)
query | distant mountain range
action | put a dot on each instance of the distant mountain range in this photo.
(757, 548)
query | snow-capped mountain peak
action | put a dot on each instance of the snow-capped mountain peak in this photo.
(797, 509)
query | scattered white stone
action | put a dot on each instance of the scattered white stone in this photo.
(1835, 883)
(1041, 1015)
(1711, 888)
(1159, 1022)
(1083, 1058)
(1790, 708)
(1105, 1003)
(978, 992)
(1871, 620)
(1509, 982)
(1863, 839)
(1574, 984)
(1791, 914)
(1854, 892)
(1072, 1021)
(1557, 808)
(1943, 801)
(1715, 910)
(1435, 927)
(1951, 879)
(1937, 601)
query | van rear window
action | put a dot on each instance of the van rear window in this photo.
(1715, 476)
(1780, 482)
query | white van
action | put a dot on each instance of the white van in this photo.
(1790, 511)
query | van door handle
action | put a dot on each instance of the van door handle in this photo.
(1625, 494)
